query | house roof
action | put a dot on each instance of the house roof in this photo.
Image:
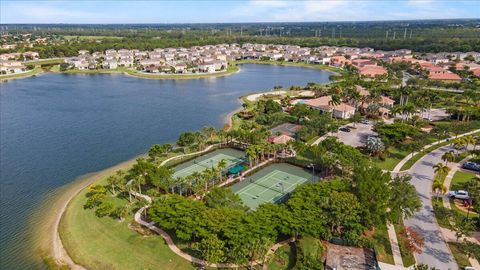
(282, 139)
(448, 76)
(372, 71)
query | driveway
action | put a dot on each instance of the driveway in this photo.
(435, 253)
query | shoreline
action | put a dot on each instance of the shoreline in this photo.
(50, 242)
(132, 73)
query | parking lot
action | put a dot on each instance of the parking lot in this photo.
(357, 136)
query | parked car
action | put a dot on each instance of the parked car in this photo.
(458, 194)
(471, 166)
(345, 129)
(365, 122)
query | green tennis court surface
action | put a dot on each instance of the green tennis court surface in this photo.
(199, 164)
(271, 184)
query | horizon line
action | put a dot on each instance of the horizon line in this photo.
(269, 22)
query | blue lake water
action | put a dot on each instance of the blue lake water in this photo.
(56, 127)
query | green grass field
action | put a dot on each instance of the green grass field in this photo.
(459, 181)
(460, 257)
(381, 242)
(35, 71)
(106, 243)
(389, 163)
(283, 259)
(420, 155)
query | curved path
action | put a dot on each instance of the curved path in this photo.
(179, 252)
(436, 252)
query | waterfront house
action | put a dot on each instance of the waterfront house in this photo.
(110, 64)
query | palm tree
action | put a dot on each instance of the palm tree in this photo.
(448, 157)
(222, 164)
(438, 187)
(251, 153)
(140, 180)
(113, 180)
(334, 101)
(469, 140)
(441, 169)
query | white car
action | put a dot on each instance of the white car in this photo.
(458, 194)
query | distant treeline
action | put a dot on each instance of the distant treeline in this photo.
(419, 36)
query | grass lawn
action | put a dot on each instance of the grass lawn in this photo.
(284, 258)
(460, 258)
(440, 213)
(407, 256)
(32, 72)
(382, 245)
(459, 181)
(47, 61)
(312, 140)
(106, 243)
(231, 69)
(419, 155)
(395, 156)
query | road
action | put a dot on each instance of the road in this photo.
(435, 252)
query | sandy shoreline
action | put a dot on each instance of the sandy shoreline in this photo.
(48, 240)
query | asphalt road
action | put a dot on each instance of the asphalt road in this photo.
(435, 252)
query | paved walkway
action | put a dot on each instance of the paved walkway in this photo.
(435, 252)
(397, 256)
(188, 257)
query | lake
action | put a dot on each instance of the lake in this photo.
(56, 127)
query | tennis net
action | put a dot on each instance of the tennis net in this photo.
(277, 188)
(201, 164)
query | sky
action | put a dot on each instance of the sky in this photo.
(232, 11)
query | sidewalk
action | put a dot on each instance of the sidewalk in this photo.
(409, 156)
(397, 256)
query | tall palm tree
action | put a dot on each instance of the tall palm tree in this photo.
(251, 153)
(438, 187)
(113, 180)
(448, 157)
(222, 164)
(469, 140)
(441, 169)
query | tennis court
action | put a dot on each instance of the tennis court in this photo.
(201, 163)
(271, 184)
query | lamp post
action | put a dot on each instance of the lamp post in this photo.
(313, 171)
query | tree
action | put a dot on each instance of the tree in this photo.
(438, 187)
(121, 212)
(258, 249)
(404, 201)
(211, 248)
(104, 209)
(462, 226)
(222, 164)
(374, 145)
(448, 157)
(186, 139)
(113, 181)
(440, 169)
(371, 186)
(223, 197)
(356, 117)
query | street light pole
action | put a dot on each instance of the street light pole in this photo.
(313, 172)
